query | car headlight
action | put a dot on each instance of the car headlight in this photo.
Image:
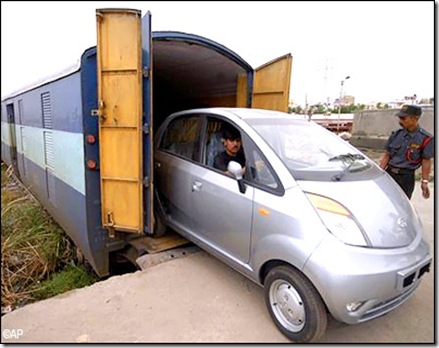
(338, 220)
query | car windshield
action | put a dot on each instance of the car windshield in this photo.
(310, 151)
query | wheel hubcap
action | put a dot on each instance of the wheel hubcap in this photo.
(287, 305)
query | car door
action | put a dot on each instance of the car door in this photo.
(176, 161)
(223, 213)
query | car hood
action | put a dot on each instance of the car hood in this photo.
(379, 205)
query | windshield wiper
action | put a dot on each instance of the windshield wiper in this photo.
(349, 156)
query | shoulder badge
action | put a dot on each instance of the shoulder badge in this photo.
(424, 132)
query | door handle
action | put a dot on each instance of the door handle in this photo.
(196, 186)
(157, 165)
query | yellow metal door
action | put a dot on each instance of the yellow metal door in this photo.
(271, 84)
(241, 91)
(119, 68)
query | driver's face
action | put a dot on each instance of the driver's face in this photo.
(233, 146)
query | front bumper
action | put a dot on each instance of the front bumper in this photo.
(371, 282)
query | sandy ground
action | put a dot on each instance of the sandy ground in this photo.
(197, 298)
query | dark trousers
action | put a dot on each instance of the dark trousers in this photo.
(404, 178)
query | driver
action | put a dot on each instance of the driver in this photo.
(232, 150)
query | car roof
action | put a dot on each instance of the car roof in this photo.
(245, 113)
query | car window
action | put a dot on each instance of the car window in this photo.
(258, 171)
(311, 152)
(214, 140)
(261, 172)
(223, 143)
(182, 137)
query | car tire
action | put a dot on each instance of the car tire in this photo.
(295, 305)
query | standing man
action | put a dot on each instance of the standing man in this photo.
(407, 149)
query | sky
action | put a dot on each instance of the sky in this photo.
(386, 48)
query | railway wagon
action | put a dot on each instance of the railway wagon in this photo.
(81, 140)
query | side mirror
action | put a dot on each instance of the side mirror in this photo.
(236, 170)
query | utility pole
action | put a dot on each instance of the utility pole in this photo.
(326, 79)
(327, 67)
(339, 102)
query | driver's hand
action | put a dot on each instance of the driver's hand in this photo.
(260, 164)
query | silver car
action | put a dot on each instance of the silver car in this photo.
(310, 218)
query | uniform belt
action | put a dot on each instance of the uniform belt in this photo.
(396, 170)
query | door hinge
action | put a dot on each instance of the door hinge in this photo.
(145, 128)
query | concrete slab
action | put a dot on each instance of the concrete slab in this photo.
(150, 260)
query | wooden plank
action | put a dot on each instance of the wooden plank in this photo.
(154, 245)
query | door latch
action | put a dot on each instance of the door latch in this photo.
(99, 112)
(110, 224)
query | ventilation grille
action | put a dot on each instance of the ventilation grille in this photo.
(49, 157)
(49, 151)
(46, 107)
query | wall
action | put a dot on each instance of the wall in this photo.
(372, 128)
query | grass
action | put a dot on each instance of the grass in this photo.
(37, 256)
(71, 277)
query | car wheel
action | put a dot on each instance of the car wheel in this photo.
(295, 305)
